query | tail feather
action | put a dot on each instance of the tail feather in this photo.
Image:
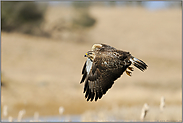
(138, 63)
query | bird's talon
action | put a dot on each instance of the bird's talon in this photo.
(128, 73)
(131, 68)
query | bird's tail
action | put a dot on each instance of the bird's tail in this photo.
(138, 63)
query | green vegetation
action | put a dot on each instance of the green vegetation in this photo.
(25, 17)
(82, 18)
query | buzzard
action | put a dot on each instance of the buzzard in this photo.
(103, 66)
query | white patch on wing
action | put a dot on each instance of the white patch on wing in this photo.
(133, 60)
(88, 65)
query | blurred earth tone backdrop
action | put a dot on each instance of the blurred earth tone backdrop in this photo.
(41, 63)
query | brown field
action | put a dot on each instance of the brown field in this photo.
(41, 74)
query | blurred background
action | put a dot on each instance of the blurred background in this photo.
(42, 55)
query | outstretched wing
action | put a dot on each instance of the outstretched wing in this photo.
(99, 75)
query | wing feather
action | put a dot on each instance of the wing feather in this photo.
(86, 85)
(99, 81)
(84, 68)
(97, 89)
(84, 73)
(87, 91)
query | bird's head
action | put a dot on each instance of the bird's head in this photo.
(90, 55)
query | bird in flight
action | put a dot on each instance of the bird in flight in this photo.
(103, 66)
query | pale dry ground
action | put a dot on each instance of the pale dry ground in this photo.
(42, 74)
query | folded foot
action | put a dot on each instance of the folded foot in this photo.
(128, 73)
(131, 68)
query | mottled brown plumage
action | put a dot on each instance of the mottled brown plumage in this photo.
(103, 66)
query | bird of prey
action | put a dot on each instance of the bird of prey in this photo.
(103, 66)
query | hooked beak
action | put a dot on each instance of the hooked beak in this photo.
(86, 55)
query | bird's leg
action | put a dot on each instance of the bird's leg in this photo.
(131, 68)
(128, 73)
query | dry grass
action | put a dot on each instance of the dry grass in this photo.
(133, 113)
(41, 74)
